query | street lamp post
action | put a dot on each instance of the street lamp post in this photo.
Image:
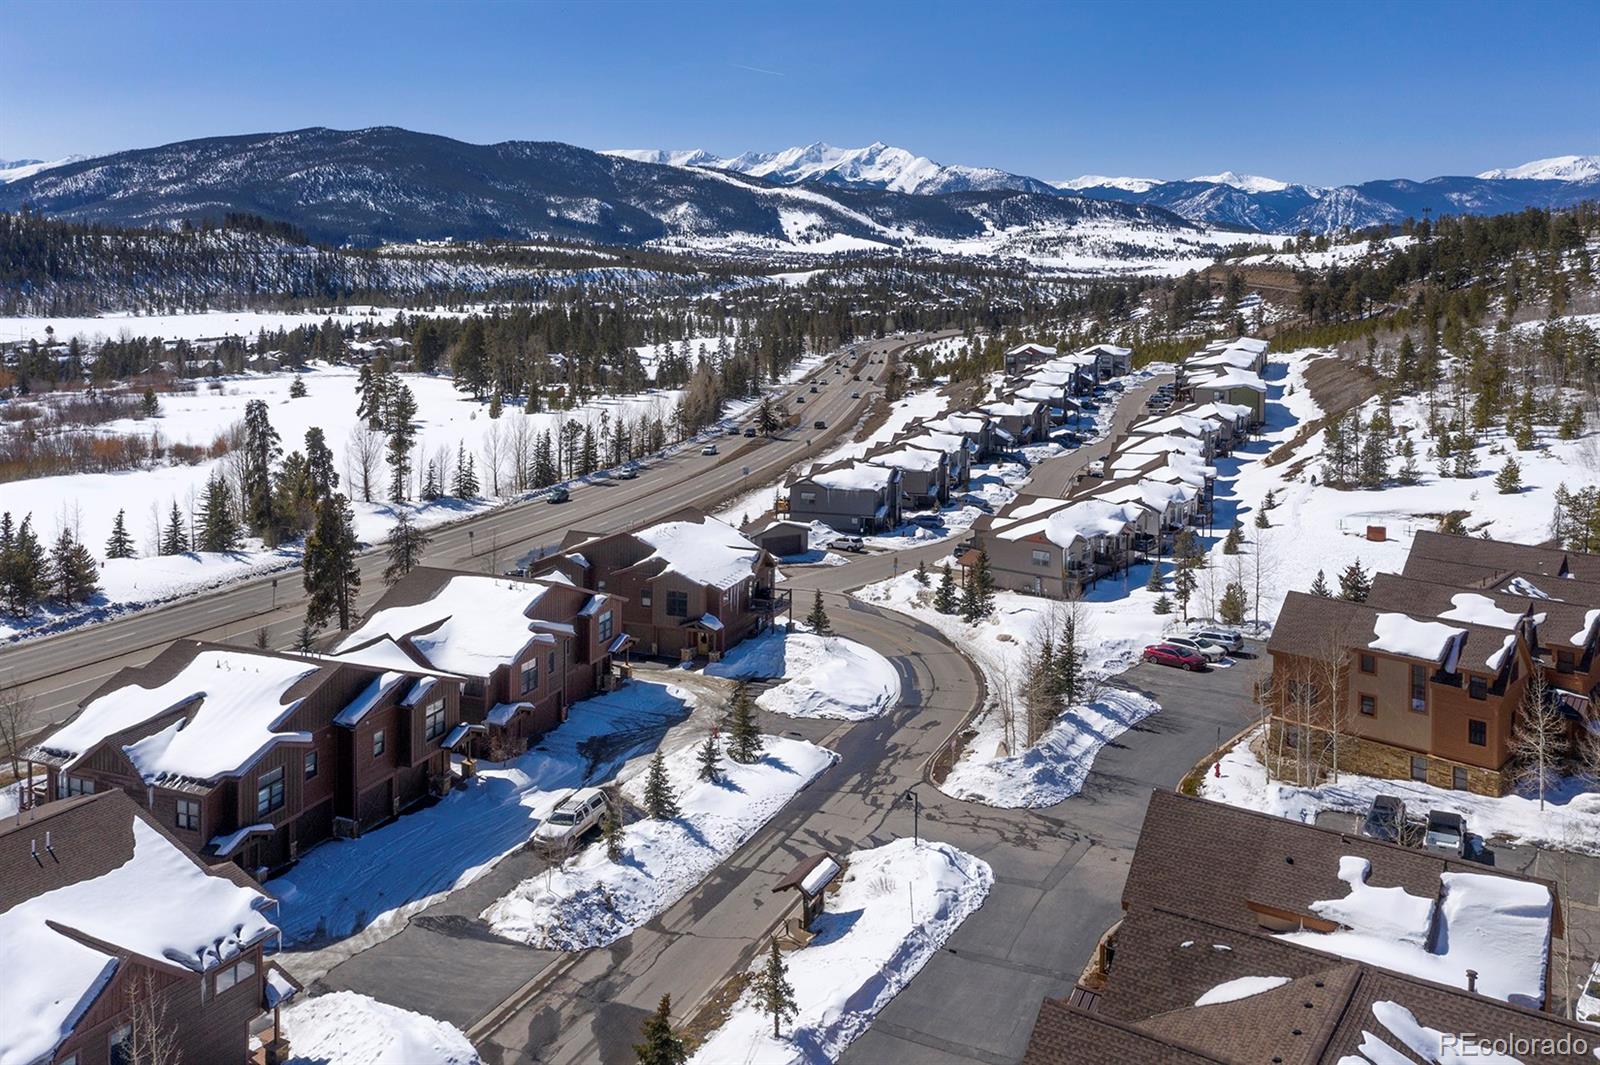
(916, 815)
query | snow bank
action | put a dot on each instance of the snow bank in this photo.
(591, 901)
(896, 907)
(344, 1028)
(823, 676)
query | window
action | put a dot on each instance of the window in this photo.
(235, 974)
(1419, 768)
(1477, 687)
(70, 1059)
(68, 786)
(1478, 733)
(552, 661)
(808, 498)
(433, 720)
(677, 604)
(269, 792)
(1458, 778)
(605, 626)
(119, 1044)
(1369, 663)
(377, 743)
(644, 598)
(1419, 688)
(1041, 558)
(188, 815)
(530, 675)
(1369, 705)
(311, 765)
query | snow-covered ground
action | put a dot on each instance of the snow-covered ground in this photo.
(195, 326)
(895, 908)
(590, 901)
(371, 885)
(344, 1028)
(822, 676)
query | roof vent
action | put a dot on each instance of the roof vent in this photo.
(1472, 980)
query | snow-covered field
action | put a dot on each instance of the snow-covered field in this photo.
(895, 908)
(1569, 821)
(822, 676)
(344, 1028)
(590, 901)
(196, 326)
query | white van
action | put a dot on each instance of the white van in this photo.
(577, 814)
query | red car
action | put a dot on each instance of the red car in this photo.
(1166, 655)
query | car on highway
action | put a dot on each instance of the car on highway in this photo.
(855, 395)
(813, 390)
(1194, 645)
(558, 494)
(1163, 654)
(628, 472)
(1231, 639)
(849, 543)
(1446, 833)
(733, 430)
(576, 815)
(1386, 819)
(709, 449)
(749, 430)
(819, 424)
(799, 399)
(870, 379)
(856, 377)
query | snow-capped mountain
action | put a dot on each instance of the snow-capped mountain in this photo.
(1556, 168)
(17, 169)
(1100, 181)
(686, 157)
(1243, 182)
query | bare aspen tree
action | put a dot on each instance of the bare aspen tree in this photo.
(363, 454)
(494, 455)
(1538, 739)
(151, 1039)
(520, 453)
(15, 709)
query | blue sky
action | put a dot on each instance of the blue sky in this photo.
(1318, 92)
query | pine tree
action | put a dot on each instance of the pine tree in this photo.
(1509, 479)
(611, 832)
(921, 574)
(1183, 586)
(430, 482)
(466, 482)
(1154, 583)
(1354, 583)
(470, 362)
(659, 799)
(495, 406)
(401, 425)
(944, 597)
(977, 598)
(1409, 473)
(257, 456)
(1320, 586)
(331, 573)
(1232, 606)
(710, 759)
(1163, 604)
(768, 420)
(24, 567)
(817, 620)
(305, 641)
(219, 531)
(406, 542)
(1235, 539)
(322, 475)
(545, 471)
(1466, 460)
(297, 387)
(773, 992)
(661, 1046)
(149, 405)
(744, 738)
(175, 538)
(1261, 521)
(74, 572)
(120, 544)
(1374, 462)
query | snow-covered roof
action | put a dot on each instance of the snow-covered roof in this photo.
(159, 904)
(1023, 349)
(710, 621)
(909, 458)
(234, 704)
(1039, 393)
(949, 443)
(1162, 444)
(1236, 413)
(1477, 609)
(1018, 408)
(1083, 520)
(501, 713)
(1242, 360)
(855, 477)
(706, 552)
(383, 653)
(1398, 634)
(369, 697)
(958, 423)
(1153, 494)
(1054, 379)
(820, 876)
(474, 624)
(1109, 349)
(1234, 378)
(1591, 622)
(1180, 423)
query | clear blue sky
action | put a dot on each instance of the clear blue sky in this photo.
(1320, 92)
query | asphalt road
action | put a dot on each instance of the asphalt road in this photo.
(57, 672)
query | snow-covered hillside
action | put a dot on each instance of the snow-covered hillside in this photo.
(1556, 168)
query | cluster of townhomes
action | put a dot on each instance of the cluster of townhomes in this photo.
(922, 467)
(1157, 481)
(226, 764)
(1426, 678)
(1248, 938)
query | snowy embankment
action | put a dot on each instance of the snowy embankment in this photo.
(372, 884)
(590, 901)
(1570, 819)
(1114, 625)
(823, 676)
(896, 907)
(344, 1028)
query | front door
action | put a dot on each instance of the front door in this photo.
(702, 641)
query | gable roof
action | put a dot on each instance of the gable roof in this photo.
(1552, 562)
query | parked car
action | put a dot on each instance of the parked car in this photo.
(1386, 820)
(749, 430)
(1097, 468)
(1446, 833)
(577, 814)
(1204, 648)
(628, 472)
(819, 424)
(1166, 655)
(709, 449)
(849, 543)
(558, 495)
(927, 521)
(978, 502)
(1231, 639)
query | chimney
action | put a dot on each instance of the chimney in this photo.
(47, 845)
(33, 850)
(1472, 980)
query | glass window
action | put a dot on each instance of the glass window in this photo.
(808, 498)
(269, 792)
(377, 743)
(1419, 768)
(1041, 558)
(311, 764)
(530, 675)
(433, 720)
(234, 974)
(68, 786)
(1369, 664)
(677, 604)
(552, 661)
(188, 815)
(1419, 688)
(119, 1044)
(644, 598)
(605, 626)
(1477, 687)
(1369, 705)
(1478, 733)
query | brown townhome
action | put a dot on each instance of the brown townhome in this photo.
(111, 928)
(525, 649)
(254, 756)
(690, 585)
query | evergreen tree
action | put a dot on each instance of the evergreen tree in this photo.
(545, 471)
(944, 597)
(611, 832)
(744, 739)
(297, 387)
(495, 406)
(175, 538)
(219, 530)
(74, 573)
(149, 405)
(817, 620)
(331, 573)
(588, 452)
(1509, 479)
(406, 542)
(1232, 606)
(1354, 583)
(1374, 464)
(401, 425)
(120, 545)
(710, 758)
(773, 992)
(257, 456)
(1466, 460)
(430, 482)
(1183, 586)
(977, 598)
(768, 420)
(1261, 521)
(1235, 539)
(659, 799)
(921, 574)
(1163, 605)
(1409, 474)
(305, 641)
(1154, 583)
(1068, 664)
(1320, 586)
(24, 567)
(470, 363)
(322, 474)
(466, 482)
(661, 1046)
